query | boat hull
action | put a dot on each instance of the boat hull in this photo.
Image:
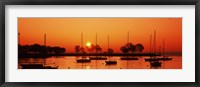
(127, 58)
(98, 58)
(110, 62)
(37, 66)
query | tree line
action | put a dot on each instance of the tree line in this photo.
(93, 48)
(127, 48)
(40, 49)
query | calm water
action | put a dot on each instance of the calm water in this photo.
(69, 62)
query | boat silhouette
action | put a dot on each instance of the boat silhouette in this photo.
(163, 56)
(153, 58)
(37, 66)
(154, 62)
(109, 62)
(98, 58)
(83, 60)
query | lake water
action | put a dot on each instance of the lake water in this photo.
(69, 62)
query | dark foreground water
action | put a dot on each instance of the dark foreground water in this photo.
(69, 62)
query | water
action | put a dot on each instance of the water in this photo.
(69, 62)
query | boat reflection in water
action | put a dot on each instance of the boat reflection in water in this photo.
(83, 60)
(70, 62)
(111, 62)
(98, 58)
(37, 65)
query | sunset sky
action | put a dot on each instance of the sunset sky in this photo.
(66, 32)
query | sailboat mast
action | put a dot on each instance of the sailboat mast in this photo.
(96, 42)
(96, 49)
(108, 41)
(45, 46)
(163, 46)
(82, 46)
(154, 41)
(81, 40)
(128, 37)
(45, 39)
(127, 43)
(150, 43)
(108, 48)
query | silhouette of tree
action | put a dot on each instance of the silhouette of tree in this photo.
(35, 48)
(82, 50)
(91, 48)
(77, 49)
(42, 50)
(88, 49)
(49, 50)
(131, 47)
(19, 48)
(58, 50)
(98, 48)
(124, 49)
(62, 50)
(26, 49)
(110, 51)
(139, 47)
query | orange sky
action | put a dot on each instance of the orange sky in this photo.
(66, 32)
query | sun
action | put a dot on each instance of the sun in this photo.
(88, 44)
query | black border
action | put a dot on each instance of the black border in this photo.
(98, 2)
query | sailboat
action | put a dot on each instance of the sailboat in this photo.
(151, 58)
(97, 57)
(83, 58)
(164, 57)
(110, 62)
(155, 63)
(39, 66)
(128, 58)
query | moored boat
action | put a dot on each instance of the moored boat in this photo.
(83, 60)
(98, 58)
(37, 66)
(109, 62)
(165, 58)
